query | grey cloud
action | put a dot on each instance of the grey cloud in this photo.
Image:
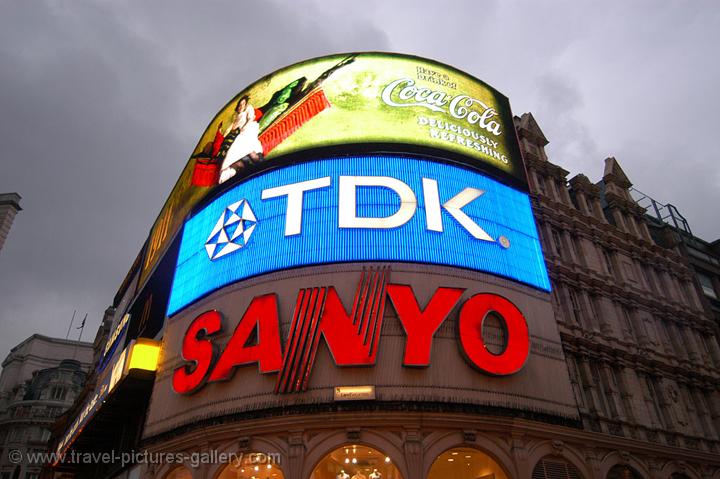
(102, 102)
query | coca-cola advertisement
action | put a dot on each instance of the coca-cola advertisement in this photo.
(368, 101)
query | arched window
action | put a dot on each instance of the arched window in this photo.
(552, 468)
(179, 473)
(252, 466)
(623, 472)
(355, 461)
(465, 463)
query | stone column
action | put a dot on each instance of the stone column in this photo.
(654, 467)
(593, 461)
(201, 472)
(296, 455)
(413, 448)
(711, 340)
(520, 454)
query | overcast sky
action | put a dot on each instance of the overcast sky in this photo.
(101, 103)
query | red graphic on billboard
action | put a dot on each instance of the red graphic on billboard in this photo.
(352, 337)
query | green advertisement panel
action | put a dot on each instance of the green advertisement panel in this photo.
(388, 101)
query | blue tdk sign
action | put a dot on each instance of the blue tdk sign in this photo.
(362, 208)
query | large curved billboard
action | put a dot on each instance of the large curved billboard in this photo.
(376, 101)
(358, 208)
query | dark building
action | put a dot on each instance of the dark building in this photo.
(671, 230)
(9, 206)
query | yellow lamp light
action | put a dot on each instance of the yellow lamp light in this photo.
(144, 355)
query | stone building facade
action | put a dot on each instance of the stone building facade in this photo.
(40, 380)
(702, 256)
(641, 350)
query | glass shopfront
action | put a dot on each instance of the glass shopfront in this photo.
(465, 463)
(355, 461)
(253, 466)
(179, 473)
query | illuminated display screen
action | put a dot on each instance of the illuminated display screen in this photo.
(399, 102)
(361, 208)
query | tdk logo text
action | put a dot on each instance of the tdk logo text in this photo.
(347, 204)
(377, 208)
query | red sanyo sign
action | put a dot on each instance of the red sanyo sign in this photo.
(352, 337)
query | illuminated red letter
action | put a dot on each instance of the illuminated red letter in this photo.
(260, 315)
(420, 326)
(352, 340)
(198, 351)
(472, 315)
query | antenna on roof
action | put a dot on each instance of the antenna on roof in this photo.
(71, 322)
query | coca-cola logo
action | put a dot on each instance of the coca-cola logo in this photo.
(404, 92)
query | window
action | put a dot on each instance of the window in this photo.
(633, 226)
(592, 207)
(574, 241)
(540, 183)
(557, 242)
(594, 316)
(706, 284)
(353, 460)
(575, 381)
(628, 323)
(22, 411)
(179, 473)
(654, 400)
(686, 291)
(577, 309)
(54, 411)
(623, 472)
(555, 468)
(465, 463)
(58, 393)
(600, 389)
(607, 256)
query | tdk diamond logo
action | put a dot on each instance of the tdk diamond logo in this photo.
(232, 230)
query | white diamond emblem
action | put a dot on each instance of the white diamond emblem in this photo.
(232, 230)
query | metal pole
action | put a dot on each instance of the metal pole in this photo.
(71, 323)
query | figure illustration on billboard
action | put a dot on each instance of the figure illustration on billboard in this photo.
(254, 132)
(243, 135)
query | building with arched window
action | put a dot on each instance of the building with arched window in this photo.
(369, 269)
(40, 380)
